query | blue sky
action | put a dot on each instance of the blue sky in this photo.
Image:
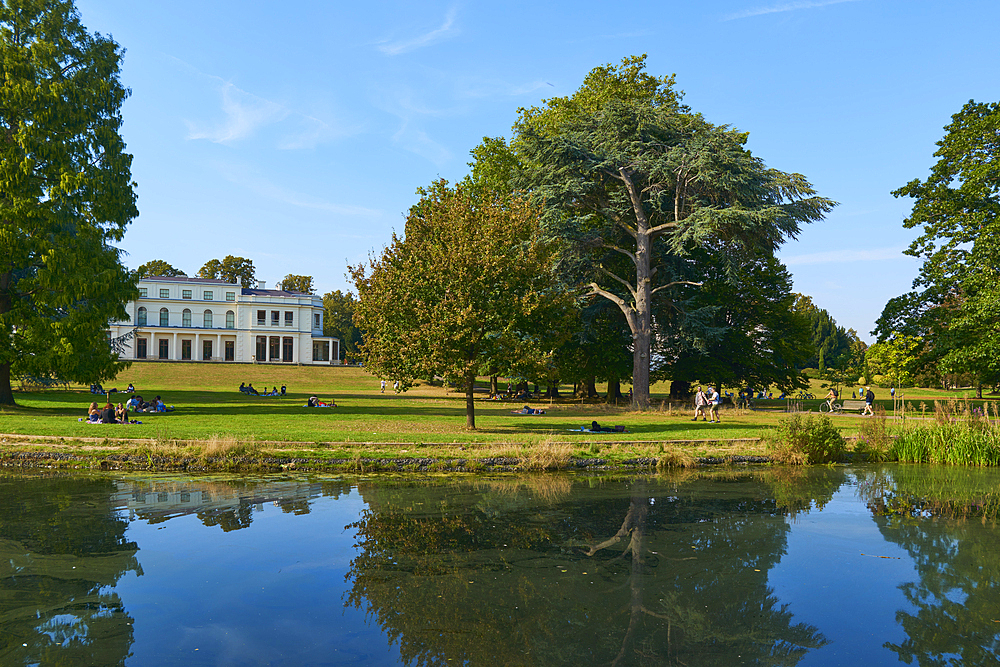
(296, 133)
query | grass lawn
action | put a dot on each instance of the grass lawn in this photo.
(209, 406)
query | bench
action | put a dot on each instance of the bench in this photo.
(849, 406)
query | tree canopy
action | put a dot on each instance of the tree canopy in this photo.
(295, 283)
(631, 178)
(157, 267)
(230, 268)
(955, 297)
(338, 321)
(467, 289)
(67, 195)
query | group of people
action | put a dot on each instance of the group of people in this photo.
(98, 389)
(707, 400)
(395, 386)
(249, 390)
(314, 402)
(137, 404)
(108, 415)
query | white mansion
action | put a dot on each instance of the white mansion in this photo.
(198, 319)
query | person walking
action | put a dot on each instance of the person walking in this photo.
(714, 401)
(869, 402)
(383, 387)
(700, 403)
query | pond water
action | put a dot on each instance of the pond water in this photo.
(820, 566)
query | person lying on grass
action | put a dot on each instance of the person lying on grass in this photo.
(528, 410)
(314, 402)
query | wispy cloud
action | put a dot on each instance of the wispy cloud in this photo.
(403, 46)
(830, 256)
(245, 113)
(783, 7)
(246, 177)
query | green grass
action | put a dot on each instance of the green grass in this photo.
(426, 420)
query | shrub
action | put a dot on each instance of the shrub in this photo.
(798, 440)
(874, 441)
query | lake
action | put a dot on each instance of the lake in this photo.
(876, 565)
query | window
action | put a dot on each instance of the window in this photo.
(164, 294)
(186, 294)
(140, 348)
(274, 353)
(164, 348)
(208, 319)
(321, 350)
(206, 350)
(317, 322)
(288, 318)
(230, 319)
(164, 317)
(186, 350)
(141, 318)
(261, 348)
(230, 350)
(286, 349)
(208, 295)
(275, 318)
(186, 318)
(143, 292)
(230, 296)
(261, 318)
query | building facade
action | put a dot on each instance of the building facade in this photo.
(199, 319)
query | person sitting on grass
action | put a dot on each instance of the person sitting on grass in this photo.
(94, 413)
(121, 414)
(108, 414)
(129, 389)
(251, 390)
(243, 387)
(314, 402)
(282, 390)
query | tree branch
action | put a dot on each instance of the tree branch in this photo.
(676, 282)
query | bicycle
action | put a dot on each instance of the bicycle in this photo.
(836, 408)
(804, 395)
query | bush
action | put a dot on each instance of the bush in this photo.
(799, 440)
(811, 373)
(874, 441)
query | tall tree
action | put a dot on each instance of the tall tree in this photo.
(338, 321)
(627, 171)
(829, 340)
(67, 195)
(295, 283)
(230, 268)
(158, 267)
(953, 305)
(467, 290)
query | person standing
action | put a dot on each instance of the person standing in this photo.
(395, 386)
(714, 401)
(383, 386)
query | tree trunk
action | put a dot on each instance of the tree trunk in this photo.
(592, 387)
(552, 391)
(493, 385)
(470, 401)
(6, 392)
(614, 390)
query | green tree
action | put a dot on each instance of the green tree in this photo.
(957, 208)
(627, 172)
(230, 268)
(893, 359)
(338, 321)
(294, 283)
(158, 267)
(760, 340)
(67, 195)
(829, 340)
(467, 290)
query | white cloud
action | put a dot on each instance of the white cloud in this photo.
(785, 7)
(245, 114)
(241, 175)
(841, 256)
(404, 46)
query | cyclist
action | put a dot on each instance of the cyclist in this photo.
(830, 398)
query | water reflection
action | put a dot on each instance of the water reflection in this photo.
(632, 572)
(532, 570)
(66, 550)
(946, 520)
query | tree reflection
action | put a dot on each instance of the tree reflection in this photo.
(945, 518)
(629, 572)
(63, 548)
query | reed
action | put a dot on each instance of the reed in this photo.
(971, 441)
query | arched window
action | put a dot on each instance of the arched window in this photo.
(186, 318)
(164, 317)
(141, 317)
(230, 319)
(208, 319)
